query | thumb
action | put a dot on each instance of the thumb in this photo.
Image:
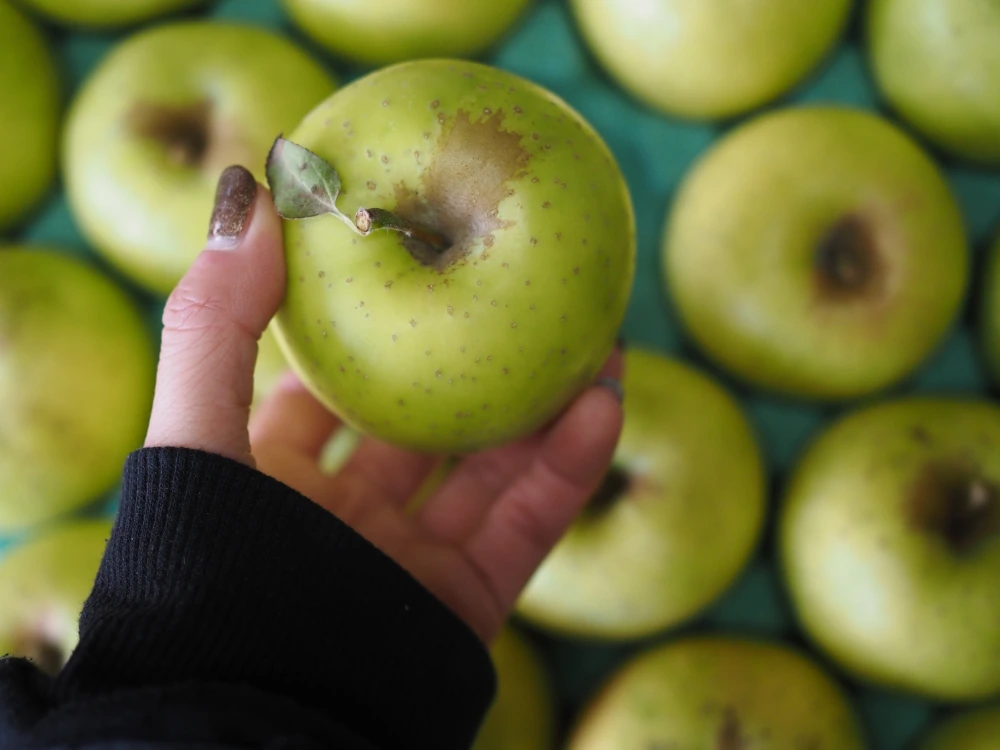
(212, 322)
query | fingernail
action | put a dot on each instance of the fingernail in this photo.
(614, 386)
(233, 202)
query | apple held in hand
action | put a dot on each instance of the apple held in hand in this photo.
(720, 693)
(890, 544)
(977, 729)
(29, 115)
(107, 13)
(43, 585)
(76, 385)
(158, 121)
(482, 286)
(938, 64)
(675, 521)
(710, 58)
(522, 716)
(390, 31)
(817, 252)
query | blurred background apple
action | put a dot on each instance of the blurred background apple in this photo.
(709, 59)
(76, 383)
(43, 585)
(106, 13)
(938, 64)
(29, 115)
(675, 520)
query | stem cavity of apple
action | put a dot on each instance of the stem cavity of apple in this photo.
(305, 185)
(963, 509)
(847, 259)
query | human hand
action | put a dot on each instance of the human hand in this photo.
(475, 541)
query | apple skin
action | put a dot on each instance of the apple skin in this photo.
(77, 368)
(878, 588)
(977, 729)
(989, 324)
(391, 31)
(710, 59)
(523, 716)
(938, 64)
(29, 115)
(106, 13)
(43, 585)
(719, 692)
(496, 336)
(681, 533)
(756, 220)
(145, 205)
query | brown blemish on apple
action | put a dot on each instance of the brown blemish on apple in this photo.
(848, 263)
(46, 655)
(955, 503)
(730, 736)
(615, 485)
(189, 135)
(461, 190)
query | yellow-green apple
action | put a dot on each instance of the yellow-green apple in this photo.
(976, 729)
(499, 297)
(675, 520)
(707, 59)
(160, 118)
(818, 252)
(271, 365)
(43, 585)
(522, 716)
(106, 13)
(719, 692)
(76, 384)
(989, 323)
(938, 64)
(890, 545)
(390, 31)
(29, 115)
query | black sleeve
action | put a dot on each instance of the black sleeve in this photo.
(230, 611)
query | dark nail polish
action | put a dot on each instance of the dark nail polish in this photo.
(613, 385)
(234, 200)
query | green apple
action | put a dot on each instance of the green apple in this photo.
(390, 31)
(977, 729)
(938, 64)
(817, 252)
(486, 331)
(29, 115)
(989, 324)
(270, 367)
(43, 585)
(76, 382)
(722, 693)
(522, 716)
(675, 521)
(160, 119)
(706, 59)
(890, 545)
(106, 13)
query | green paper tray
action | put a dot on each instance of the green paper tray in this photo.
(655, 153)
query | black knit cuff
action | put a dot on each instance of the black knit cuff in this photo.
(216, 572)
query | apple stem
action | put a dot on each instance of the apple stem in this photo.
(368, 220)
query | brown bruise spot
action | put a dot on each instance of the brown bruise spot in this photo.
(46, 655)
(955, 503)
(730, 736)
(463, 186)
(188, 134)
(848, 264)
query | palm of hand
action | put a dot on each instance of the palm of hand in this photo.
(477, 538)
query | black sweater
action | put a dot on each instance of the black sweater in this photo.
(232, 612)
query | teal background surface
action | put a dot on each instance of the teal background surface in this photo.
(655, 153)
